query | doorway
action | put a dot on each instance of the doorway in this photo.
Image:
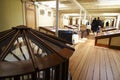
(30, 15)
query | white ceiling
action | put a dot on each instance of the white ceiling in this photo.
(101, 6)
(92, 7)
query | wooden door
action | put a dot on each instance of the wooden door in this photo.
(76, 21)
(70, 21)
(30, 15)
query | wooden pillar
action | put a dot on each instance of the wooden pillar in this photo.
(57, 73)
(65, 70)
(70, 21)
(47, 74)
(95, 41)
(34, 76)
(17, 78)
(109, 42)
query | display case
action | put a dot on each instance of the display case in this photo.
(68, 35)
(108, 39)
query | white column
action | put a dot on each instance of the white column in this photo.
(37, 14)
(80, 20)
(84, 20)
(57, 9)
(90, 21)
(114, 25)
(117, 24)
(23, 12)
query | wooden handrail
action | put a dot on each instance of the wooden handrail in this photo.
(53, 39)
(5, 51)
(70, 27)
(7, 35)
(47, 31)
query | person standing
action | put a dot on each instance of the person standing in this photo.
(88, 28)
(99, 25)
(94, 26)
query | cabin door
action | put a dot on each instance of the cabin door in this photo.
(70, 21)
(30, 15)
(76, 21)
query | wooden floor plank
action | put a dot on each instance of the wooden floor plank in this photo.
(96, 74)
(108, 66)
(117, 60)
(81, 64)
(76, 59)
(117, 53)
(91, 62)
(113, 65)
(83, 74)
(91, 66)
(76, 54)
(102, 65)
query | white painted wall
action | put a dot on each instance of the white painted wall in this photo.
(65, 20)
(73, 20)
(44, 20)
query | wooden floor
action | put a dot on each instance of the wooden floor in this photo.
(91, 62)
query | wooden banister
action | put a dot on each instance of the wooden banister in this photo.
(46, 30)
